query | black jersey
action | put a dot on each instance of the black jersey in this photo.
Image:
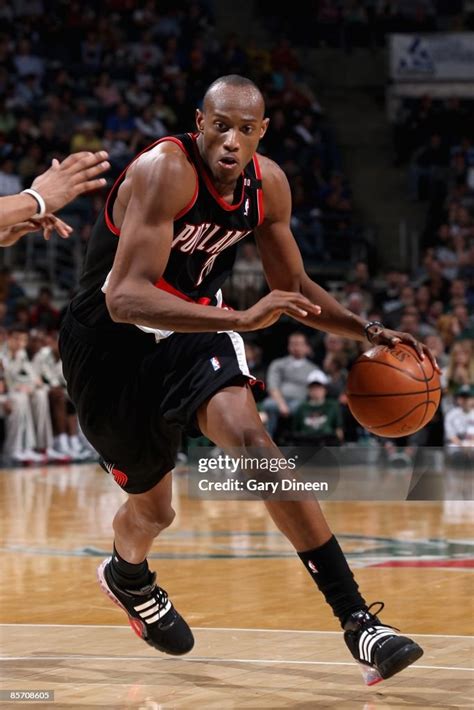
(206, 234)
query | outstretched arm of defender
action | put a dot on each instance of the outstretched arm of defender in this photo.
(60, 184)
(160, 185)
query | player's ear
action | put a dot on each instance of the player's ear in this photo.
(199, 120)
(264, 126)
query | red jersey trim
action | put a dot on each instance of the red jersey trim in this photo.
(115, 230)
(208, 182)
(165, 286)
(258, 173)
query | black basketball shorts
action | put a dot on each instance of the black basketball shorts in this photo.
(135, 397)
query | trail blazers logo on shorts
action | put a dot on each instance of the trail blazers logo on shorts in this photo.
(215, 364)
(120, 477)
(312, 567)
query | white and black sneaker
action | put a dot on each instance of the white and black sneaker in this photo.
(150, 613)
(380, 650)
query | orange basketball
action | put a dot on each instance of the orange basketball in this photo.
(391, 392)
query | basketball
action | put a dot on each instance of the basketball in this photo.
(391, 392)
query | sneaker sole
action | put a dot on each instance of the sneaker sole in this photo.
(138, 626)
(403, 658)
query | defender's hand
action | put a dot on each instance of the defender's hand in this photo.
(48, 223)
(65, 181)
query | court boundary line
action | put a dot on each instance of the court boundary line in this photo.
(207, 659)
(227, 628)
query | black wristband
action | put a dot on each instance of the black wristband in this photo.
(369, 325)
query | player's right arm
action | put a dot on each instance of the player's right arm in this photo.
(159, 186)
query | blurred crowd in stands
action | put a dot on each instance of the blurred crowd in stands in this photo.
(349, 24)
(113, 75)
(434, 138)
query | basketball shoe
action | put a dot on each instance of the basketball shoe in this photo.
(380, 650)
(150, 613)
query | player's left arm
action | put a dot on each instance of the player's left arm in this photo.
(284, 269)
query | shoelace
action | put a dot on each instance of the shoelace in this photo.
(381, 606)
(160, 595)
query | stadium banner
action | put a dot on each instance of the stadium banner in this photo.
(432, 58)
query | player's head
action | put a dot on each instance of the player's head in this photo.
(231, 123)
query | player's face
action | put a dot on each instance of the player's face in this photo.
(231, 126)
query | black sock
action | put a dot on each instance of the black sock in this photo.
(127, 575)
(329, 569)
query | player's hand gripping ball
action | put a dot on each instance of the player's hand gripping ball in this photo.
(392, 392)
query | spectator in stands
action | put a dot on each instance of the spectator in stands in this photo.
(43, 314)
(149, 125)
(423, 302)
(460, 367)
(106, 91)
(287, 381)
(248, 279)
(355, 303)
(29, 426)
(86, 138)
(389, 296)
(434, 279)
(410, 322)
(436, 345)
(335, 367)
(360, 275)
(10, 180)
(459, 421)
(445, 253)
(318, 420)
(335, 345)
(10, 289)
(428, 168)
(48, 367)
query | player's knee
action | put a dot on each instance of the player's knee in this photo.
(256, 439)
(166, 517)
(147, 518)
(156, 519)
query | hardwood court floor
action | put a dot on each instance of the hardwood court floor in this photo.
(263, 636)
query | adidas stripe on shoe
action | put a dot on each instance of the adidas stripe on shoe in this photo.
(150, 613)
(380, 650)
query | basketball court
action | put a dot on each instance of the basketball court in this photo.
(264, 638)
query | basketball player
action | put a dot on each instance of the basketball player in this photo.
(61, 183)
(149, 352)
